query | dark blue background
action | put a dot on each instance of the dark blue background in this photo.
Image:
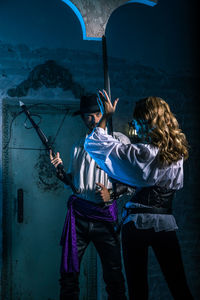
(166, 35)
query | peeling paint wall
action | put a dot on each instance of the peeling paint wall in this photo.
(179, 89)
(130, 80)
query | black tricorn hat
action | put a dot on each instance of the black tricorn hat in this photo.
(88, 104)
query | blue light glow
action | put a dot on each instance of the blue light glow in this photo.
(81, 20)
(147, 2)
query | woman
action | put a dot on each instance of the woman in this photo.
(155, 167)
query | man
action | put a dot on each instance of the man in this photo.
(91, 214)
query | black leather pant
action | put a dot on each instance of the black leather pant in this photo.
(166, 247)
(107, 245)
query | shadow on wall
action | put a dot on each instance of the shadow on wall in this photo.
(50, 75)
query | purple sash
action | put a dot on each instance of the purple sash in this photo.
(90, 211)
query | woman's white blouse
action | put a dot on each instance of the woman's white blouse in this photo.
(136, 165)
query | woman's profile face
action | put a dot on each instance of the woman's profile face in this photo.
(141, 128)
(137, 126)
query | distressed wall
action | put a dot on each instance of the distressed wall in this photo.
(162, 43)
(129, 81)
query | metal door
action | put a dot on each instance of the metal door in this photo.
(35, 205)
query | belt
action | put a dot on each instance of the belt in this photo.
(81, 207)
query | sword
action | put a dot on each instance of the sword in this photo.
(61, 174)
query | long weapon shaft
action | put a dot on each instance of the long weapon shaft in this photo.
(40, 133)
(60, 168)
(108, 90)
(106, 79)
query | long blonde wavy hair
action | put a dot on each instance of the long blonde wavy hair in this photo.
(161, 129)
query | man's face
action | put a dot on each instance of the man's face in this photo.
(92, 119)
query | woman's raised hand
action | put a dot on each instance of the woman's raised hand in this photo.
(105, 104)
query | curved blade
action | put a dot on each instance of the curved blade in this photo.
(94, 14)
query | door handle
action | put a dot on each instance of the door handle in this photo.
(20, 205)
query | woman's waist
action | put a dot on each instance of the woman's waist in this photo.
(153, 198)
(156, 221)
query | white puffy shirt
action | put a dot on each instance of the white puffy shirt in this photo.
(85, 171)
(136, 165)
